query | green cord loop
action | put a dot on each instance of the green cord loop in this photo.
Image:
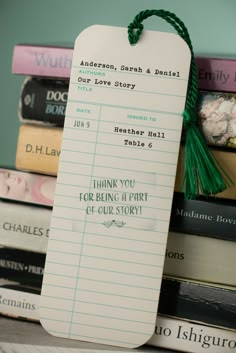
(202, 173)
(134, 35)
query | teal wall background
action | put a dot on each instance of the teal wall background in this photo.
(211, 24)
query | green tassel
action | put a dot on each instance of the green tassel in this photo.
(203, 174)
(202, 170)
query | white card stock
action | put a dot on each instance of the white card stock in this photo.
(115, 185)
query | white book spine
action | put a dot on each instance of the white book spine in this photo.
(201, 258)
(19, 304)
(24, 227)
(169, 332)
(190, 337)
(188, 256)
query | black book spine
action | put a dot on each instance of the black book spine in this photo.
(43, 101)
(25, 267)
(198, 302)
(209, 217)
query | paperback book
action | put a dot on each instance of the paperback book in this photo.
(19, 301)
(24, 227)
(190, 337)
(25, 267)
(169, 332)
(27, 187)
(212, 217)
(39, 150)
(188, 299)
(24, 234)
(214, 73)
(43, 101)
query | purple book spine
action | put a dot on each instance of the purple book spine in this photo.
(214, 74)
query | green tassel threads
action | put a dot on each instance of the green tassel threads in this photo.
(203, 174)
(202, 171)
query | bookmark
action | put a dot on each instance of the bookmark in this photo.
(115, 183)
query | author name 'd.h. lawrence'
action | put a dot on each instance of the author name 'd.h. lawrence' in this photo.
(39, 149)
(42, 150)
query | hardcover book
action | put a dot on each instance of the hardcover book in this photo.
(199, 302)
(195, 301)
(43, 101)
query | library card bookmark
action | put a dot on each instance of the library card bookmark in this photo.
(115, 186)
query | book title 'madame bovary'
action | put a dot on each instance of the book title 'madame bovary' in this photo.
(217, 74)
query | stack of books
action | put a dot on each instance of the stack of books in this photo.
(27, 192)
(197, 307)
(42, 105)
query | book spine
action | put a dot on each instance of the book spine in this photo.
(38, 149)
(191, 337)
(187, 256)
(43, 101)
(169, 332)
(198, 302)
(189, 300)
(25, 267)
(208, 217)
(214, 74)
(18, 303)
(24, 227)
(225, 158)
(200, 258)
(45, 61)
(27, 187)
(23, 302)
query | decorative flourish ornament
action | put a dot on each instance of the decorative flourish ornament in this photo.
(115, 223)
